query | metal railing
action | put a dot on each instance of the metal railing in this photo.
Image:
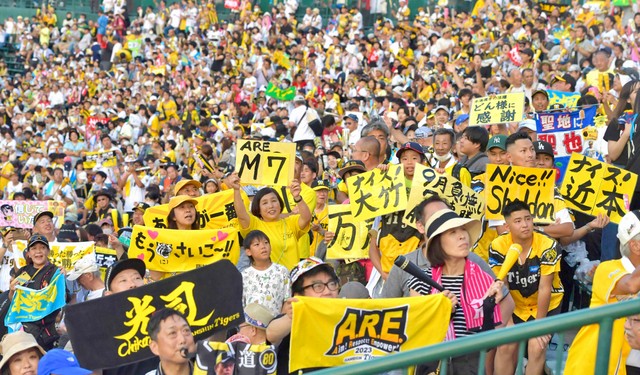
(604, 315)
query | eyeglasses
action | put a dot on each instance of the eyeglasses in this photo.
(318, 287)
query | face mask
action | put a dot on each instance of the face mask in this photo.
(443, 158)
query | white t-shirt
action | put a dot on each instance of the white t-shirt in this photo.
(175, 16)
(301, 116)
(269, 288)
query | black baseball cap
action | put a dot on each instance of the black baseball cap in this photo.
(413, 146)
(121, 265)
(41, 214)
(38, 238)
(543, 147)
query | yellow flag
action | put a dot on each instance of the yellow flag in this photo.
(170, 250)
(356, 330)
(594, 187)
(426, 182)
(351, 237)
(216, 211)
(377, 193)
(534, 186)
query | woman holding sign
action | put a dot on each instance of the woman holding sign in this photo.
(266, 215)
(183, 214)
(449, 241)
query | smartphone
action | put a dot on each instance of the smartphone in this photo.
(23, 278)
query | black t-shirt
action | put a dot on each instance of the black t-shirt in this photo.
(216, 65)
(613, 134)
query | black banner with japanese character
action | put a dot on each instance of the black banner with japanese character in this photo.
(112, 331)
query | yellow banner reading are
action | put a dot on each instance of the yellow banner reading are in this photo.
(104, 158)
(356, 330)
(594, 187)
(427, 182)
(265, 163)
(216, 211)
(351, 237)
(534, 186)
(377, 193)
(170, 250)
(497, 109)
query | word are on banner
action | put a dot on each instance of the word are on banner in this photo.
(497, 109)
(103, 158)
(215, 211)
(533, 186)
(377, 193)
(568, 132)
(265, 163)
(594, 187)
(245, 359)
(426, 182)
(357, 330)
(169, 250)
(209, 297)
(351, 238)
(19, 214)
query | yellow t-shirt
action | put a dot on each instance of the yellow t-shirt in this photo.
(7, 168)
(309, 197)
(321, 218)
(543, 259)
(283, 235)
(582, 359)
(465, 176)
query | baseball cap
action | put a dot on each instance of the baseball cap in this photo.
(543, 92)
(86, 264)
(7, 230)
(413, 146)
(499, 141)
(141, 206)
(462, 118)
(307, 265)
(103, 192)
(182, 183)
(629, 226)
(121, 265)
(38, 238)
(298, 98)
(441, 107)
(543, 147)
(529, 124)
(60, 361)
(180, 199)
(257, 315)
(423, 132)
(320, 185)
(41, 214)
(351, 116)
(352, 165)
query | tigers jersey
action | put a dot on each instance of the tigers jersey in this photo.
(543, 259)
(395, 238)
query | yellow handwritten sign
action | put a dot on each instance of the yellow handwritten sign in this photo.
(265, 163)
(534, 186)
(497, 109)
(351, 237)
(426, 182)
(377, 193)
(216, 211)
(66, 254)
(104, 158)
(594, 187)
(105, 258)
(357, 330)
(170, 250)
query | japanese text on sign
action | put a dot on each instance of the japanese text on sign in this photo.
(20, 214)
(498, 109)
(103, 158)
(377, 193)
(426, 182)
(265, 163)
(351, 238)
(534, 186)
(215, 211)
(594, 187)
(168, 250)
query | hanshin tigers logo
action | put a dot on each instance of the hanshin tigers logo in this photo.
(366, 331)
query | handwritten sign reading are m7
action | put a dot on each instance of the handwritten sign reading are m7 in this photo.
(377, 193)
(265, 163)
(170, 250)
(594, 187)
(351, 238)
(427, 182)
(534, 186)
(498, 109)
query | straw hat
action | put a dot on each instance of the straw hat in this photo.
(14, 343)
(446, 219)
